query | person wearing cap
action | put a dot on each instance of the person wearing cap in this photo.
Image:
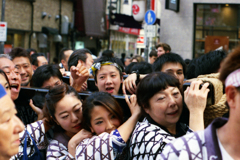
(10, 126)
(220, 140)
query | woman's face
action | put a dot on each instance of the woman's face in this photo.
(68, 114)
(166, 106)
(5, 84)
(108, 79)
(103, 121)
(10, 127)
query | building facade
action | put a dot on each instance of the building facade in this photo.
(23, 30)
(187, 31)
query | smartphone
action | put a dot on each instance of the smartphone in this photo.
(210, 97)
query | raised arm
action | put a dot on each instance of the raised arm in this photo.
(79, 75)
(126, 128)
(129, 84)
(76, 139)
(196, 100)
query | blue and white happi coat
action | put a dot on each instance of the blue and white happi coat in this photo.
(103, 147)
(202, 145)
(37, 132)
(58, 147)
(148, 140)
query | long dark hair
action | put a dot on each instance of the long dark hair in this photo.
(54, 95)
(103, 99)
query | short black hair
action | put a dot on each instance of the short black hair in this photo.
(44, 73)
(62, 55)
(152, 84)
(142, 67)
(108, 53)
(110, 59)
(29, 50)
(165, 58)
(129, 67)
(19, 52)
(79, 54)
(153, 53)
(34, 58)
(206, 64)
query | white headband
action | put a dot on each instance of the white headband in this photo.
(233, 79)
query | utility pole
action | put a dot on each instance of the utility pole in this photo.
(2, 19)
(109, 19)
(147, 38)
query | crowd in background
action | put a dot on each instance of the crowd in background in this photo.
(173, 108)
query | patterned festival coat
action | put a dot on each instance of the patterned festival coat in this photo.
(37, 132)
(57, 148)
(104, 146)
(197, 145)
(148, 140)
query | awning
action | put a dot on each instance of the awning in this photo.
(127, 21)
(49, 30)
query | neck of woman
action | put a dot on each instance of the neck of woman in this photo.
(172, 129)
(2, 157)
(69, 134)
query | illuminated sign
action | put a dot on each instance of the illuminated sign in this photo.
(172, 5)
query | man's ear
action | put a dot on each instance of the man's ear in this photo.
(63, 61)
(34, 67)
(80, 61)
(147, 110)
(96, 84)
(231, 93)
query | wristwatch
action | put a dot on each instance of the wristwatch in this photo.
(138, 75)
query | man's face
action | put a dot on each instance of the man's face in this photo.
(42, 61)
(64, 61)
(160, 51)
(174, 68)
(127, 62)
(51, 82)
(13, 76)
(25, 68)
(152, 59)
(89, 61)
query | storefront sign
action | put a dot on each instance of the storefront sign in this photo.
(129, 30)
(172, 5)
(3, 31)
(138, 10)
(140, 40)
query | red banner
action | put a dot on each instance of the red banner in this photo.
(129, 30)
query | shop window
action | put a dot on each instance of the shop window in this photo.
(216, 20)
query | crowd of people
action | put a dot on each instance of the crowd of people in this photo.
(162, 117)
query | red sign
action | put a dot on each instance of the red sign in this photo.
(2, 25)
(129, 30)
(140, 40)
(135, 9)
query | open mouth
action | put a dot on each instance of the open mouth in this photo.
(110, 89)
(15, 87)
